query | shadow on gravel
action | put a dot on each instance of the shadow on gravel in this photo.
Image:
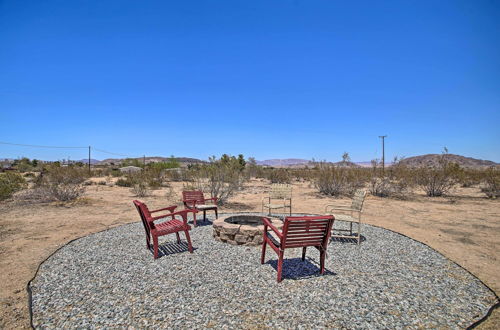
(296, 269)
(169, 248)
(348, 239)
(202, 223)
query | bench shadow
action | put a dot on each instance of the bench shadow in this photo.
(296, 269)
(202, 223)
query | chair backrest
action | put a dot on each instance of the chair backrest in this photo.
(145, 216)
(280, 191)
(307, 231)
(196, 195)
(358, 200)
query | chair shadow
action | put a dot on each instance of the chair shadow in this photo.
(170, 248)
(296, 269)
(354, 239)
(202, 223)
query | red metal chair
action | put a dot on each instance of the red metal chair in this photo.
(164, 228)
(298, 232)
(195, 201)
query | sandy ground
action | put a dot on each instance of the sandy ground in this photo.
(464, 227)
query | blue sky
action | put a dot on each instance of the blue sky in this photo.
(269, 79)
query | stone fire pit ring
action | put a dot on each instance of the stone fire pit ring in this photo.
(242, 229)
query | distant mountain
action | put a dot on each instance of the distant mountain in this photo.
(86, 161)
(432, 160)
(282, 162)
(155, 159)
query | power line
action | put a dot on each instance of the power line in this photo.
(38, 146)
(112, 153)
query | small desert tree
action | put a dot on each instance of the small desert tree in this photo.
(438, 180)
(221, 177)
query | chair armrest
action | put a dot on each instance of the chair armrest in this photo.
(183, 213)
(214, 199)
(335, 207)
(170, 208)
(267, 223)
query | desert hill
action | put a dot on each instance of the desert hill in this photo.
(154, 159)
(433, 160)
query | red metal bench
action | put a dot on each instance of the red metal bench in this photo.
(164, 228)
(298, 232)
(195, 201)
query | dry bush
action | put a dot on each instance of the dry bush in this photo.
(11, 183)
(140, 189)
(492, 183)
(278, 175)
(396, 182)
(221, 178)
(59, 183)
(439, 180)
(336, 181)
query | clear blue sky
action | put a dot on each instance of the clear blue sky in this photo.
(269, 79)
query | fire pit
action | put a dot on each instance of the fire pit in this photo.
(241, 229)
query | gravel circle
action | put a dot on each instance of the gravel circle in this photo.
(110, 279)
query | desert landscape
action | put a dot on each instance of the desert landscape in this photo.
(464, 226)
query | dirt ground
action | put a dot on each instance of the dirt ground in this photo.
(464, 227)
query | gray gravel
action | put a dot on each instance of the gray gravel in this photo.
(390, 281)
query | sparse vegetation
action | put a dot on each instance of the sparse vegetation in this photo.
(396, 182)
(440, 179)
(492, 183)
(10, 183)
(336, 180)
(221, 178)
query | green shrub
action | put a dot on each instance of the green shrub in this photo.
(124, 182)
(221, 178)
(492, 183)
(336, 181)
(10, 183)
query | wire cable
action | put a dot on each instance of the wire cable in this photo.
(38, 146)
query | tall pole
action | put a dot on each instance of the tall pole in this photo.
(89, 159)
(383, 152)
(144, 160)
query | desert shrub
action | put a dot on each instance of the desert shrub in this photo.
(221, 178)
(123, 182)
(278, 175)
(335, 180)
(140, 189)
(101, 183)
(438, 180)
(10, 183)
(395, 182)
(492, 183)
(116, 173)
(61, 183)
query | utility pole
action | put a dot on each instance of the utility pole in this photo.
(89, 160)
(383, 152)
(144, 159)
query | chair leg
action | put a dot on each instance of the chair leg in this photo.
(304, 253)
(322, 261)
(178, 238)
(216, 214)
(359, 232)
(280, 266)
(194, 218)
(204, 215)
(263, 254)
(188, 238)
(155, 246)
